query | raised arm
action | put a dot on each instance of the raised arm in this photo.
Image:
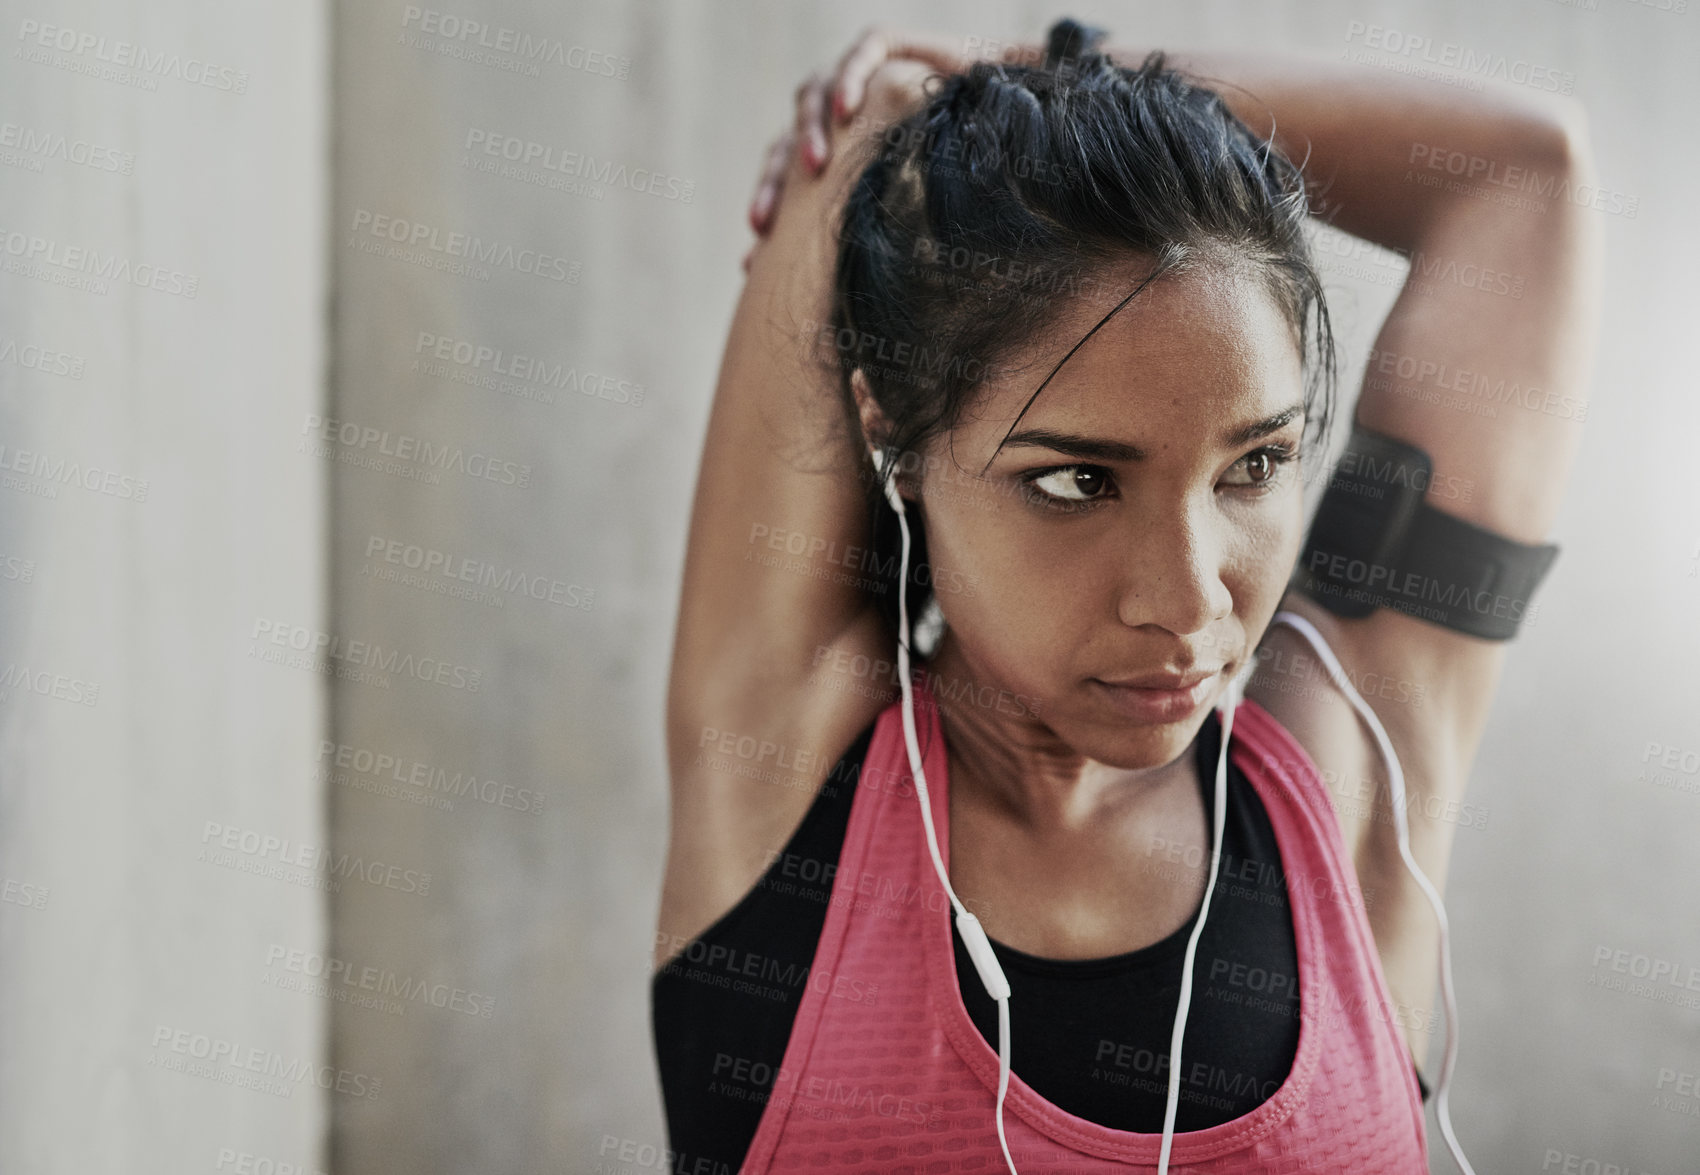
(781, 482)
(770, 587)
(777, 461)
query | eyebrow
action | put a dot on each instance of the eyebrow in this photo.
(1094, 449)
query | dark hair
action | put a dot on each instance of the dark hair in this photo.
(1012, 188)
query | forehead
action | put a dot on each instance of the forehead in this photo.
(1194, 347)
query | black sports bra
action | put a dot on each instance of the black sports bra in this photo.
(1093, 1034)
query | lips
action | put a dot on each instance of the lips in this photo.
(1162, 681)
(1157, 697)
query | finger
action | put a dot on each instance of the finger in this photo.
(811, 123)
(766, 196)
(942, 51)
(850, 80)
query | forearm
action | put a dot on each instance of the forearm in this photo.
(1378, 148)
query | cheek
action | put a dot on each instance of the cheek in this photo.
(998, 584)
(1261, 555)
(1011, 618)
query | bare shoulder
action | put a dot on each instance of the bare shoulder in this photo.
(752, 761)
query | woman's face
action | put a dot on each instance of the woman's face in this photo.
(1138, 526)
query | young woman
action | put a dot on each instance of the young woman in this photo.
(1064, 316)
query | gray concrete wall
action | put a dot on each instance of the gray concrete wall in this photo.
(155, 768)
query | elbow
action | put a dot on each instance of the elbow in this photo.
(1562, 151)
(1548, 135)
(1556, 139)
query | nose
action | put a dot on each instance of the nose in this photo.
(1173, 575)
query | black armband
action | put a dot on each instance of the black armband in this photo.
(1375, 543)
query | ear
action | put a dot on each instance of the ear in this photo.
(876, 427)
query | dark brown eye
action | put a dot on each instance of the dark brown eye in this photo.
(1260, 467)
(1073, 484)
(1089, 483)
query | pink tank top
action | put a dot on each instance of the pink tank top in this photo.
(885, 1071)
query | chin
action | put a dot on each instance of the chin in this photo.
(1134, 747)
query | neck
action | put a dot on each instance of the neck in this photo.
(1019, 765)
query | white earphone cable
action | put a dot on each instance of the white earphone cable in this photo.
(1230, 703)
(973, 935)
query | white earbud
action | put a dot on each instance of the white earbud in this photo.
(884, 465)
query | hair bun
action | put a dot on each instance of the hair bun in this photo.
(1070, 40)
